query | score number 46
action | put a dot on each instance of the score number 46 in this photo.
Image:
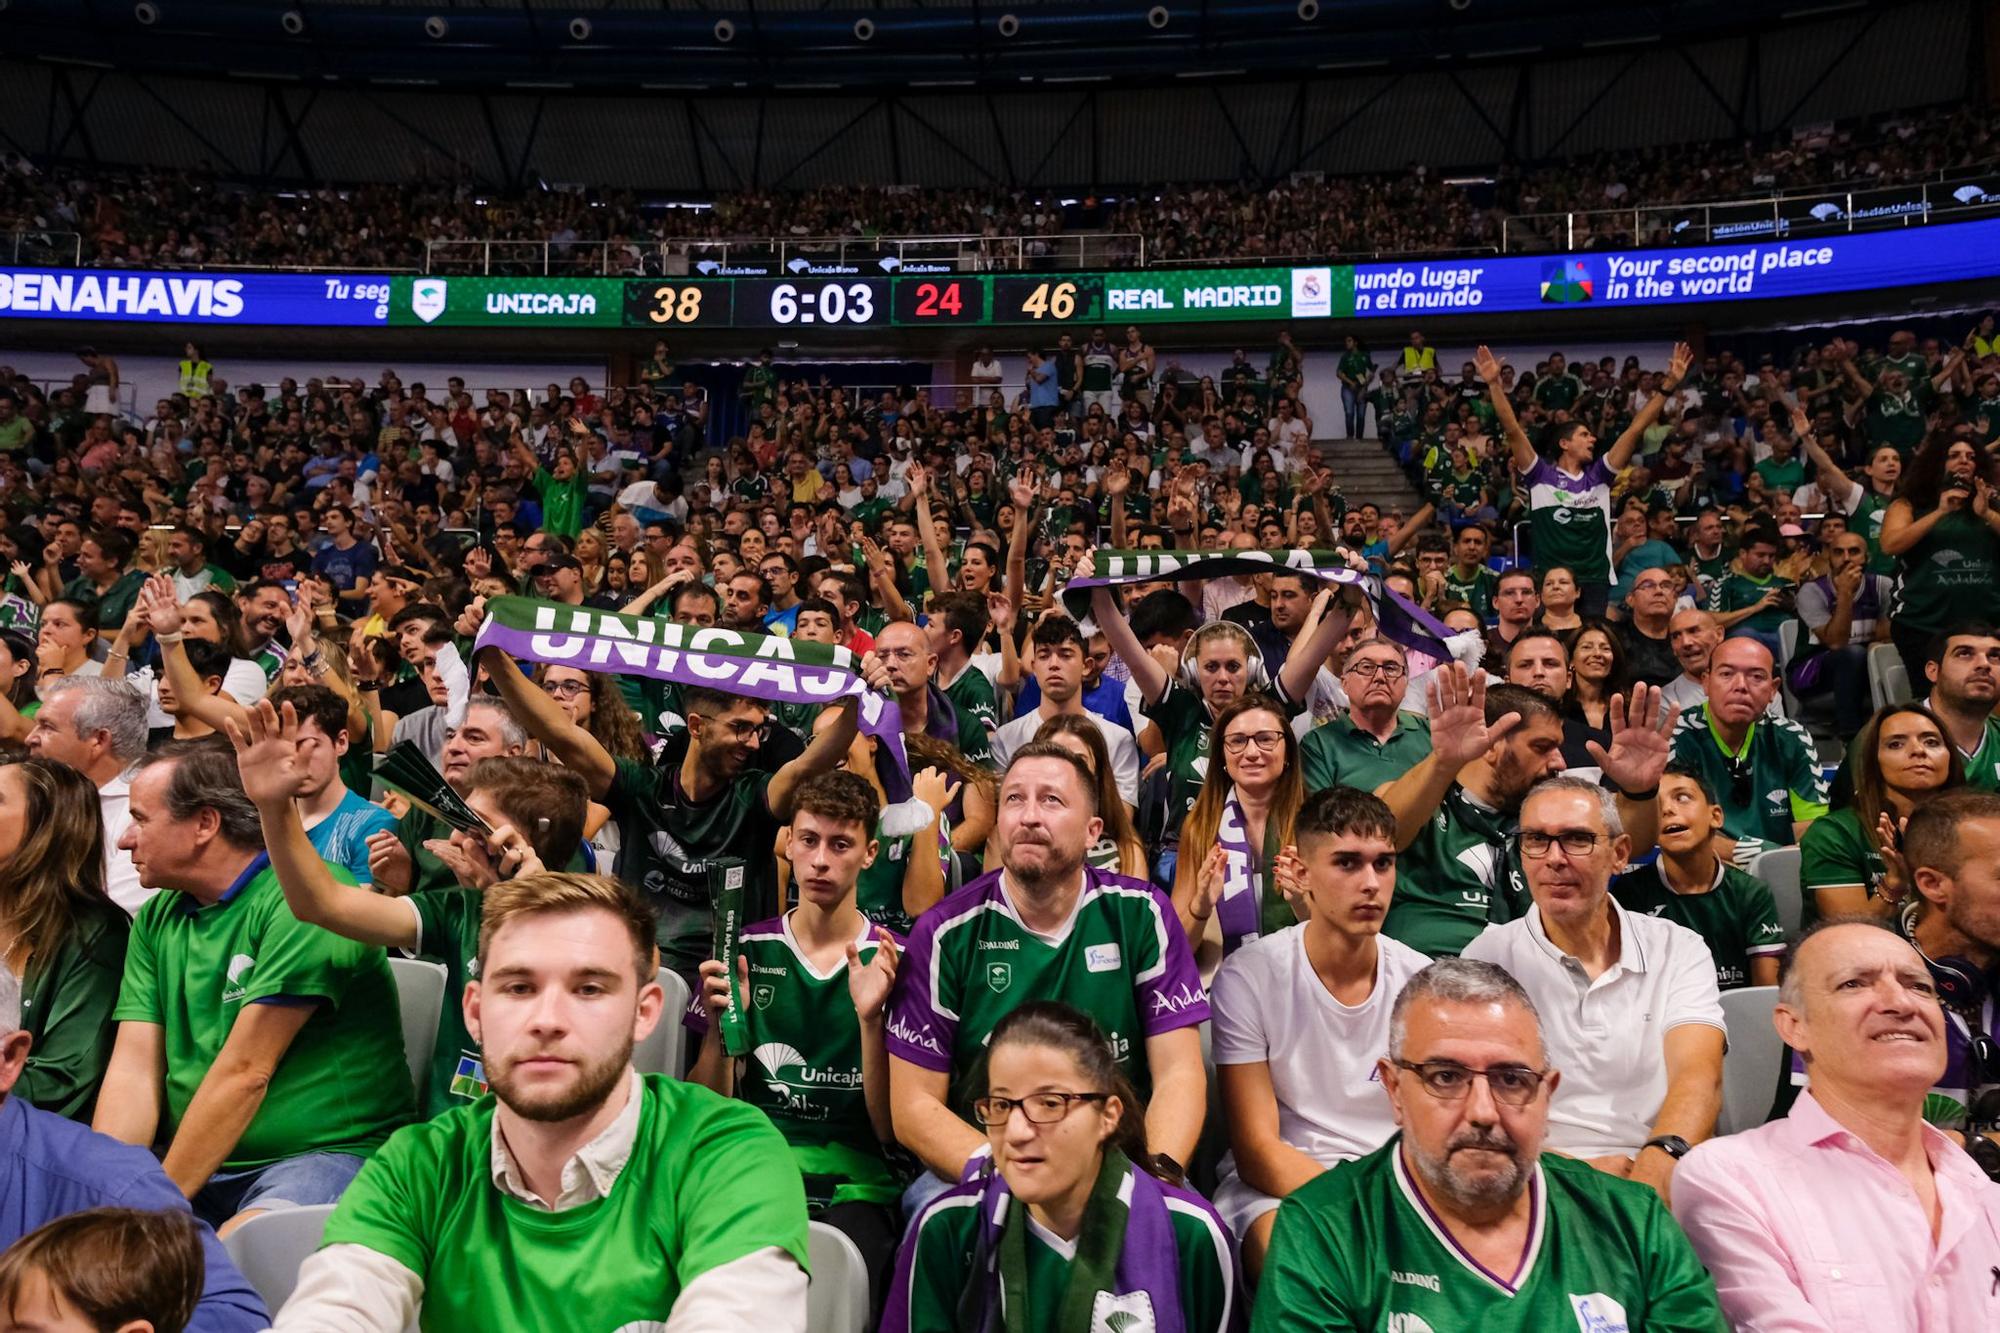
(1051, 301)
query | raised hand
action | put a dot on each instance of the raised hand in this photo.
(1487, 364)
(162, 607)
(999, 611)
(876, 672)
(934, 787)
(478, 563)
(918, 482)
(389, 867)
(1678, 362)
(1117, 481)
(1457, 705)
(1642, 729)
(1022, 492)
(267, 753)
(1896, 878)
(870, 986)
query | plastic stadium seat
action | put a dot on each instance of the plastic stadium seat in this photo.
(1755, 1058)
(270, 1248)
(665, 1047)
(1888, 680)
(420, 996)
(837, 1297)
(1788, 648)
(1779, 869)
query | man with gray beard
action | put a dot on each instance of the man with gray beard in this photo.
(1460, 1221)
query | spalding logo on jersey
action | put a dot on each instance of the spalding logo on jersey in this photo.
(1598, 1313)
(1131, 1313)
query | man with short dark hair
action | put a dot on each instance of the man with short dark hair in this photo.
(1462, 1221)
(956, 626)
(1850, 1212)
(780, 573)
(345, 559)
(1056, 656)
(105, 579)
(1515, 604)
(272, 1047)
(1751, 600)
(1630, 1005)
(1952, 849)
(579, 1183)
(1962, 666)
(338, 822)
(745, 600)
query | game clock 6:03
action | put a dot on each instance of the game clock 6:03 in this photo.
(854, 302)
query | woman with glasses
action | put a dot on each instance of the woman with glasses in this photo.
(1066, 1226)
(1900, 759)
(1243, 883)
(593, 701)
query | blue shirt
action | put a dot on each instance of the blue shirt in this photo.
(342, 837)
(345, 568)
(1106, 699)
(50, 1166)
(1046, 391)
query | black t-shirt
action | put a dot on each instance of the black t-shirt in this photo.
(1648, 659)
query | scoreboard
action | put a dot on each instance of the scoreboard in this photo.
(853, 302)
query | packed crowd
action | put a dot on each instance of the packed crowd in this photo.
(1453, 860)
(163, 218)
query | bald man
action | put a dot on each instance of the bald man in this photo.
(1764, 769)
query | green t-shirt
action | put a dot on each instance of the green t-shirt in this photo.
(943, 1264)
(1558, 393)
(449, 933)
(1897, 419)
(1982, 766)
(708, 1182)
(1766, 787)
(1183, 719)
(1462, 872)
(1736, 916)
(759, 384)
(562, 501)
(879, 890)
(1835, 854)
(804, 1066)
(67, 999)
(1736, 590)
(1359, 1248)
(1476, 591)
(668, 841)
(117, 601)
(1787, 476)
(1867, 520)
(1342, 753)
(1950, 576)
(191, 970)
(972, 695)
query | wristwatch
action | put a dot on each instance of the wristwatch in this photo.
(1673, 1145)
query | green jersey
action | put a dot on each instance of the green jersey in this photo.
(972, 695)
(668, 841)
(191, 970)
(1342, 754)
(1183, 719)
(759, 384)
(1735, 915)
(562, 501)
(448, 933)
(1950, 576)
(1773, 782)
(1895, 418)
(1866, 519)
(1462, 872)
(1735, 591)
(804, 1066)
(708, 1182)
(1476, 589)
(1836, 854)
(879, 890)
(1360, 1248)
(1710, 569)
(1982, 766)
(1558, 393)
(1569, 519)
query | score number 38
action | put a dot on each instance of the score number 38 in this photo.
(675, 305)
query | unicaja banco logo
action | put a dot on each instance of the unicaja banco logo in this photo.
(427, 297)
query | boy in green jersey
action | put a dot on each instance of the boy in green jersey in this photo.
(815, 984)
(1692, 886)
(440, 924)
(578, 1195)
(252, 1043)
(1461, 1221)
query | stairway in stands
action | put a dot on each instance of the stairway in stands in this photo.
(1364, 471)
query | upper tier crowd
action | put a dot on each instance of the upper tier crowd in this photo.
(1311, 918)
(175, 218)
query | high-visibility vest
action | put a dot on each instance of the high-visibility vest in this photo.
(194, 378)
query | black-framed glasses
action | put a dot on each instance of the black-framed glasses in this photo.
(1449, 1081)
(1574, 842)
(1041, 1108)
(1370, 670)
(565, 689)
(1267, 741)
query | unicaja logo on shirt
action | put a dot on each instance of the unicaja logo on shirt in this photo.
(999, 976)
(1409, 1323)
(239, 967)
(1130, 1313)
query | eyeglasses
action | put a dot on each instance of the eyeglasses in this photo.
(565, 689)
(1575, 842)
(1652, 585)
(743, 731)
(1370, 670)
(1266, 741)
(1041, 1108)
(1511, 1085)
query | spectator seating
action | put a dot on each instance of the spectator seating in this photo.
(664, 1051)
(1888, 680)
(1779, 869)
(420, 995)
(837, 1297)
(1754, 1061)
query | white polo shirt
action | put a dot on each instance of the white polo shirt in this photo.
(1607, 1035)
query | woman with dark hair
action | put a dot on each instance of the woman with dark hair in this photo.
(1597, 671)
(1558, 591)
(1068, 1224)
(64, 936)
(1118, 847)
(18, 702)
(1243, 884)
(1898, 760)
(1943, 532)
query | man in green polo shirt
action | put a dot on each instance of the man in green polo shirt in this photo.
(105, 580)
(580, 1194)
(274, 1047)
(1765, 770)
(561, 489)
(1374, 741)
(1467, 579)
(1461, 1221)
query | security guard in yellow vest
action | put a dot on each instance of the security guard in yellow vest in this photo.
(194, 373)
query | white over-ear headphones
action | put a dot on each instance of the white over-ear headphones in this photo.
(1255, 676)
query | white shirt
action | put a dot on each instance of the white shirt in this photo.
(353, 1289)
(1606, 1035)
(121, 879)
(1269, 1006)
(1125, 757)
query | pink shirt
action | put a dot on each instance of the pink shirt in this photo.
(1808, 1230)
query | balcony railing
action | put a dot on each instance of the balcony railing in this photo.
(777, 255)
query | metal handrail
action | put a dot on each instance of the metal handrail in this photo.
(682, 257)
